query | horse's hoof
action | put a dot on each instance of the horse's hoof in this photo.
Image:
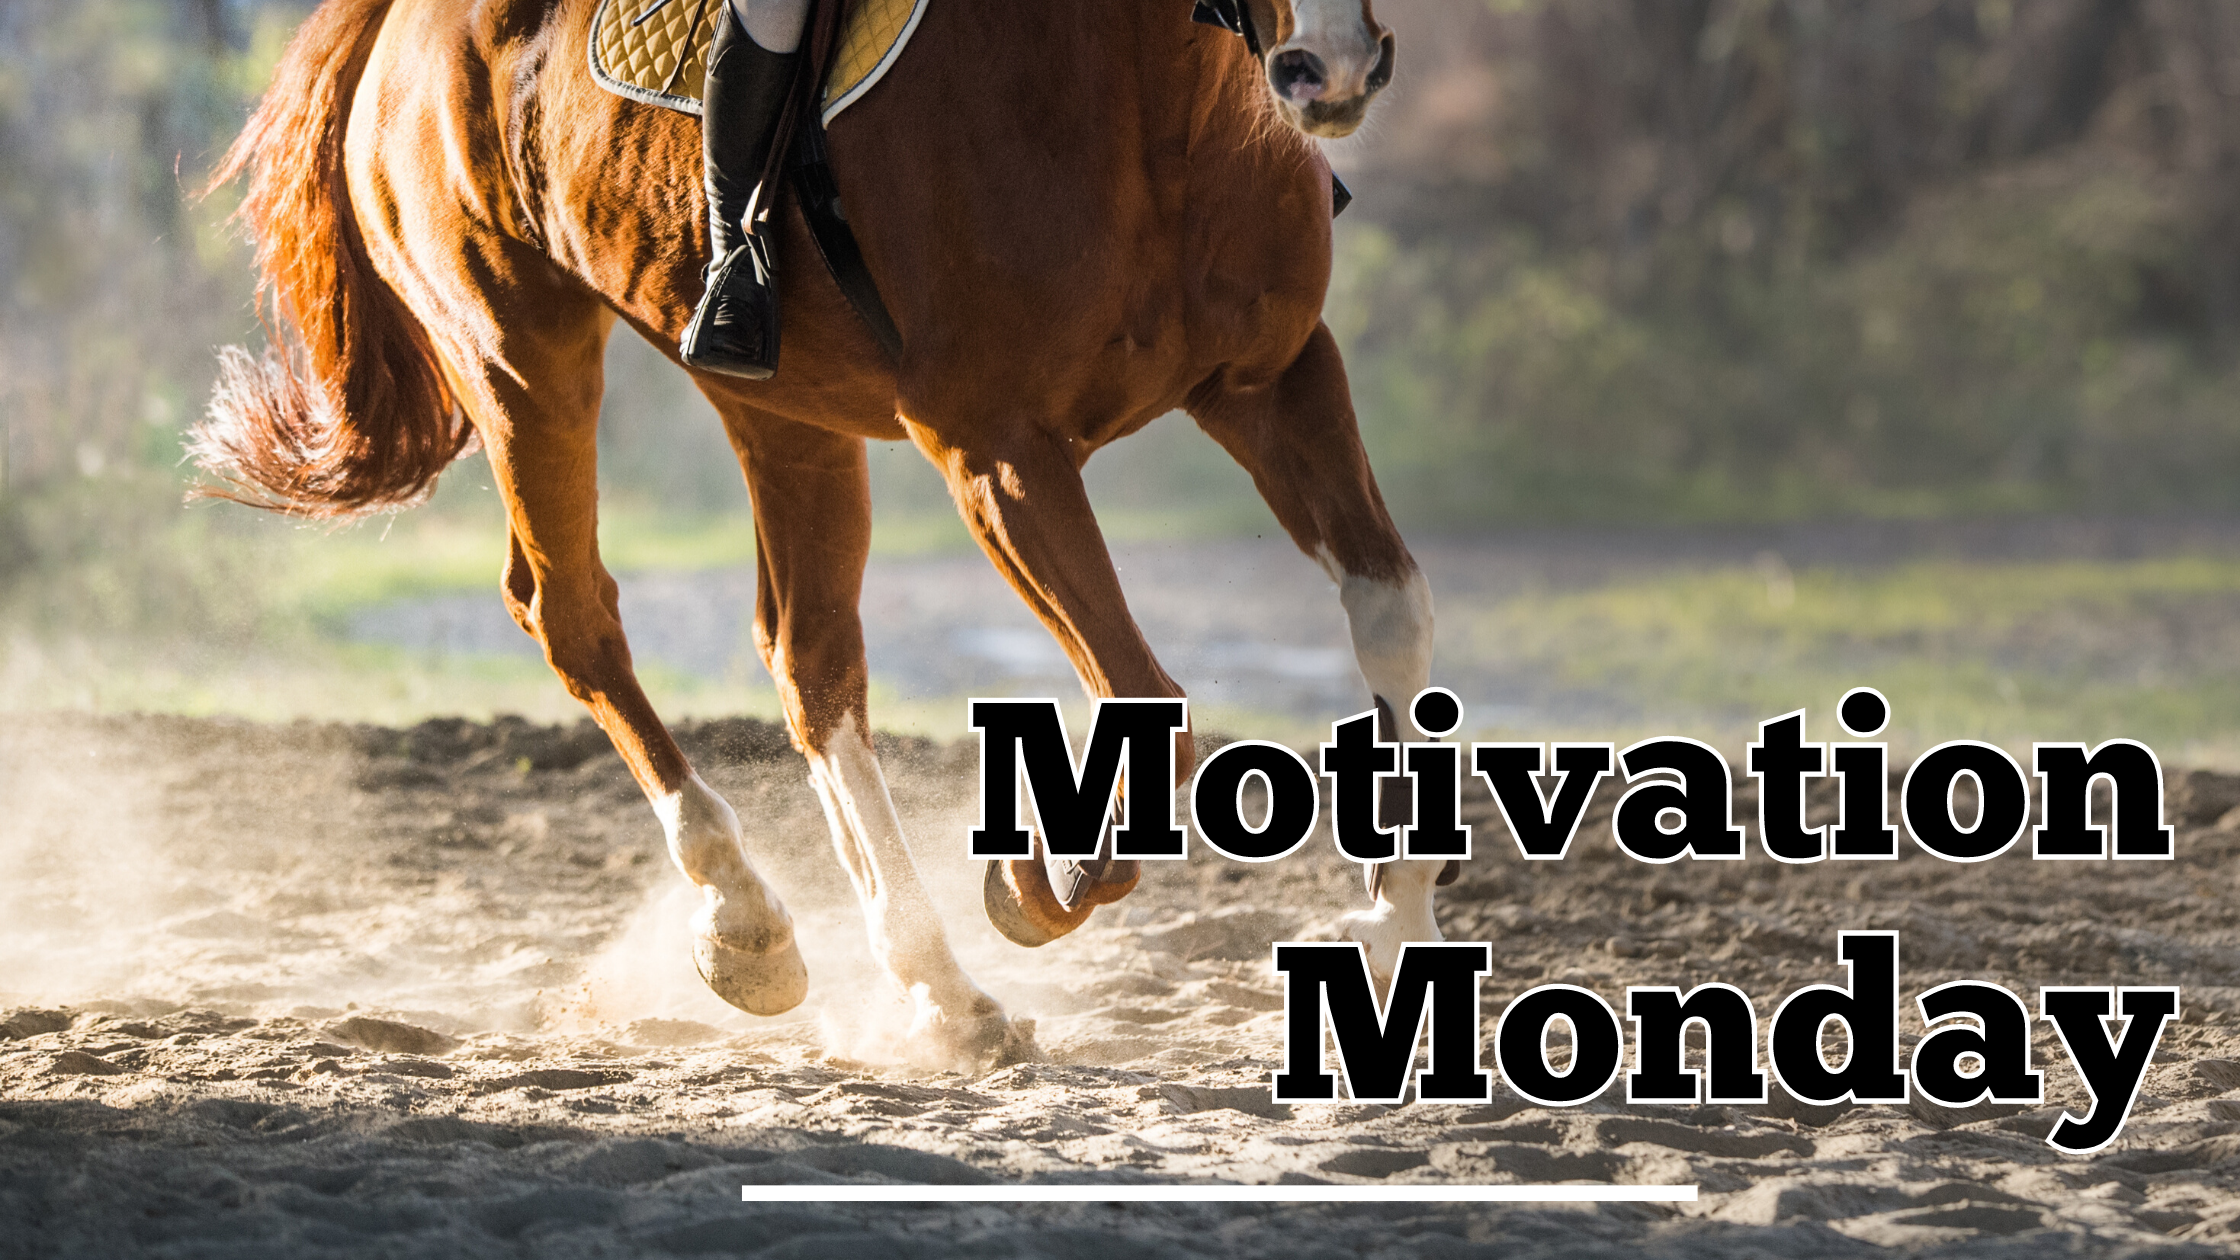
(977, 1045)
(767, 981)
(1097, 883)
(1014, 1043)
(1023, 907)
(1117, 880)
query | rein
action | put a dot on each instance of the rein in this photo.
(1230, 15)
(1235, 16)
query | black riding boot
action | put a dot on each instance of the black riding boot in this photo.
(735, 329)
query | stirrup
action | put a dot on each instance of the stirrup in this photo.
(734, 331)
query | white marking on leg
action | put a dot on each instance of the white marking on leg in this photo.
(742, 936)
(705, 843)
(1403, 913)
(1391, 624)
(905, 931)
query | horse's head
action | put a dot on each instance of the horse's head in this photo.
(1326, 60)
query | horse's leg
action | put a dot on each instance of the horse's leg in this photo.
(1019, 489)
(1298, 439)
(537, 411)
(812, 514)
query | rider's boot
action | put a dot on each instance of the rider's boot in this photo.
(735, 329)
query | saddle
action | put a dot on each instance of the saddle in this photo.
(656, 51)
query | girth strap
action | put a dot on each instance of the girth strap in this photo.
(836, 241)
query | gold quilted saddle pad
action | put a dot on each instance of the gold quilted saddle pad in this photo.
(656, 51)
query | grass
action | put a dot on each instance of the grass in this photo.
(437, 552)
(221, 611)
(2006, 652)
(334, 682)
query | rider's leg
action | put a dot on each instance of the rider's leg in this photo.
(750, 70)
(774, 24)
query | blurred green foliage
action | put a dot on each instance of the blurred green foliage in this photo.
(2008, 652)
(114, 288)
(117, 283)
(1612, 260)
(1996, 355)
(1715, 260)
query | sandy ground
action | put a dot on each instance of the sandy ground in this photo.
(317, 990)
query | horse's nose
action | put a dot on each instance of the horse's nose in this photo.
(1298, 76)
(1380, 76)
(1324, 79)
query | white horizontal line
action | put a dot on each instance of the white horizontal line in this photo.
(1138, 1193)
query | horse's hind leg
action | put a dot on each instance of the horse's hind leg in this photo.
(535, 402)
(812, 513)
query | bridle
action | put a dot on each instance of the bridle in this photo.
(1236, 16)
(1230, 15)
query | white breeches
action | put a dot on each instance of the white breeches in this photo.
(774, 24)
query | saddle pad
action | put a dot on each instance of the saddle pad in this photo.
(656, 51)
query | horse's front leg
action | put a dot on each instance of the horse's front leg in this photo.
(1019, 490)
(1298, 439)
(812, 511)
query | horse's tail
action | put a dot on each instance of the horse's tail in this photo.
(346, 411)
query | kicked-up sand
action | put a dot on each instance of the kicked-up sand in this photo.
(302, 991)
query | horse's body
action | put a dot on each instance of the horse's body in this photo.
(1081, 216)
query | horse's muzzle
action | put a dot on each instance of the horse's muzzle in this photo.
(1329, 96)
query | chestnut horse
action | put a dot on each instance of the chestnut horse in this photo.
(1081, 216)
